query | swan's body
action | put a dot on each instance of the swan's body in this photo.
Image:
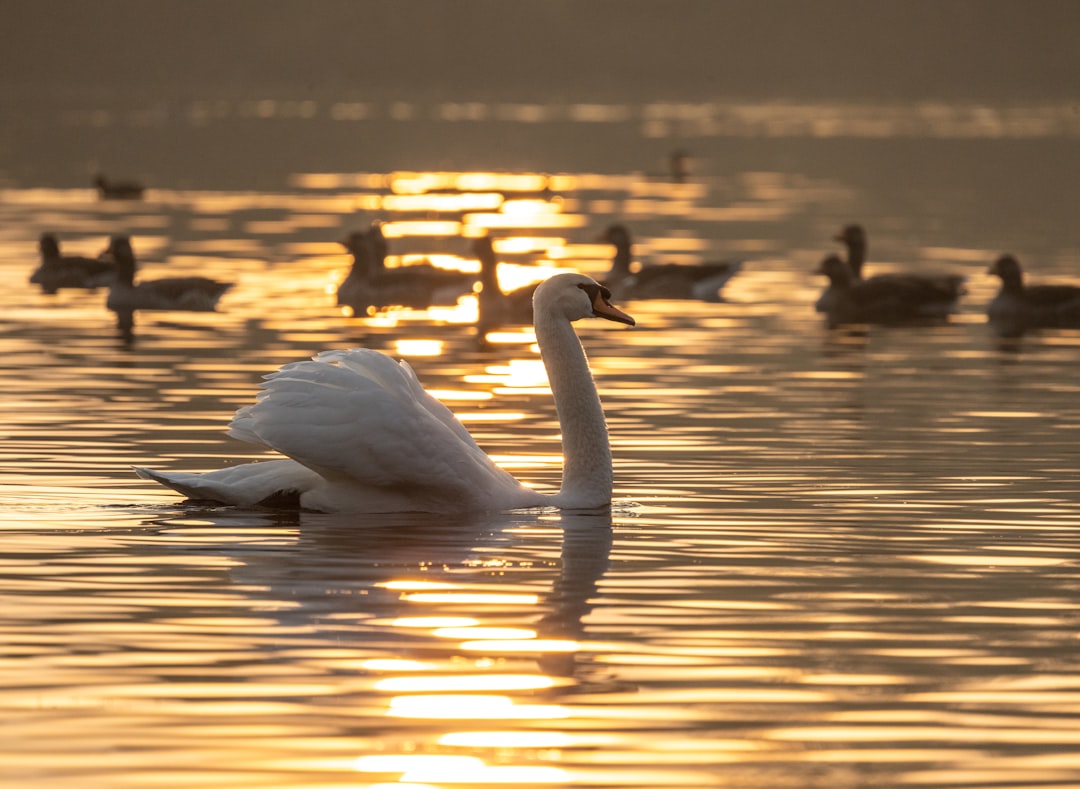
(882, 299)
(189, 294)
(935, 294)
(69, 271)
(701, 281)
(497, 308)
(118, 190)
(370, 284)
(362, 435)
(1019, 307)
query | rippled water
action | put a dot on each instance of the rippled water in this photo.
(837, 558)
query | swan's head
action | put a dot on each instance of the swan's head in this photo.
(575, 296)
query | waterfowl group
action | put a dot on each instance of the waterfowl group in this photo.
(884, 298)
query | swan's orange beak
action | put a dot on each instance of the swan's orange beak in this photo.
(602, 308)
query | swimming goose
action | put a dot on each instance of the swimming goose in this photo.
(118, 190)
(69, 271)
(882, 299)
(853, 237)
(497, 308)
(1018, 307)
(361, 434)
(370, 284)
(190, 294)
(701, 281)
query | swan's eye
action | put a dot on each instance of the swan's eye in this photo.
(595, 289)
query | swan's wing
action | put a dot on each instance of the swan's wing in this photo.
(359, 417)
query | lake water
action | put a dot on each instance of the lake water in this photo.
(837, 558)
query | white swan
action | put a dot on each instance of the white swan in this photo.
(362, 435)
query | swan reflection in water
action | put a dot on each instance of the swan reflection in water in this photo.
(462, 633)
(427, 588)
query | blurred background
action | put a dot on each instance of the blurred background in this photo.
(240, 94)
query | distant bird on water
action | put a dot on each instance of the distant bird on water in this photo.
(188, 294)
(1019, 307)
(369, 284)
(701, 281)
(69, 271)
(497, 308)
(883, 299)
(925, 289)
(118, 190)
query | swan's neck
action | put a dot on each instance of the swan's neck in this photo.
(587, 476)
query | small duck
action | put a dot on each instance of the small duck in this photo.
(883, 299)
(497, 308)
(118, 190)
(702, 281)
(1019, 307)
(69, 271)
(853, 237)
(370, 284)
(188, 294)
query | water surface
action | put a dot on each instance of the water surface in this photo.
(836, 558)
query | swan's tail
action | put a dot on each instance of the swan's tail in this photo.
(245, 485)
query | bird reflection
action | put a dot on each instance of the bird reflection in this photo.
(376, 569)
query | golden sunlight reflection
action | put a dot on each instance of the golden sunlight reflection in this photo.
(471, 707)
(516, 375)
(465, 683)
(439, 769)
(485, 632)
(555, 221)
(405, 347)
(526, 208)
(533, 645)
(443, 203)
(416, 585)
(403, 228)
(507, 739)
(394, 664)
(435, 621)
(473, 598)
